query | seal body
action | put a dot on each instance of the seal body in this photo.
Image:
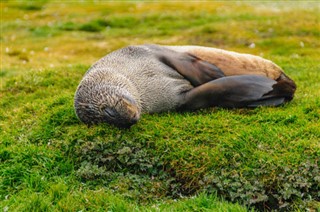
(152, 78)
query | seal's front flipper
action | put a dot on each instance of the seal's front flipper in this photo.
(192, 68)
(195, 70)
(238, 91)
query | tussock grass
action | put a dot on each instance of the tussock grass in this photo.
(209, 160)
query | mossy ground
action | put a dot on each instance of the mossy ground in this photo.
(266, 158)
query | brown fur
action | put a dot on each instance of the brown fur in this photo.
(232, 63)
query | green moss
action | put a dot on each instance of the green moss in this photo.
(94, 26)
(264, 158)
(31, 5)
(43, 31)
(68, 26)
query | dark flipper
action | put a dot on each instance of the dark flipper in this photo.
(287, 84)
(192, 68)
(238, 91)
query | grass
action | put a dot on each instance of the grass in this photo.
(209, 160)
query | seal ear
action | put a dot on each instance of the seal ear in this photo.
(192, 68)
(239, 91)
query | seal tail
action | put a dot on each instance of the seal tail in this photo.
(239, 91)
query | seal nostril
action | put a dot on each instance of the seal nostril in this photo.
(133, 120)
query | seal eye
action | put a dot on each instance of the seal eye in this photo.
(110, 113)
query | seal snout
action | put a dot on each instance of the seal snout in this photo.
(132, 111)
(128, 122)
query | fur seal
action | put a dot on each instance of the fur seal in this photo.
(133, 80)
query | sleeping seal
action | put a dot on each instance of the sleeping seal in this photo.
(151, 78)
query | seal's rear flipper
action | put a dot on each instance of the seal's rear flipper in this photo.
(267, 102)
(239, 91)
(195, 70)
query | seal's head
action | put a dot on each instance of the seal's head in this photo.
(96, 103)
